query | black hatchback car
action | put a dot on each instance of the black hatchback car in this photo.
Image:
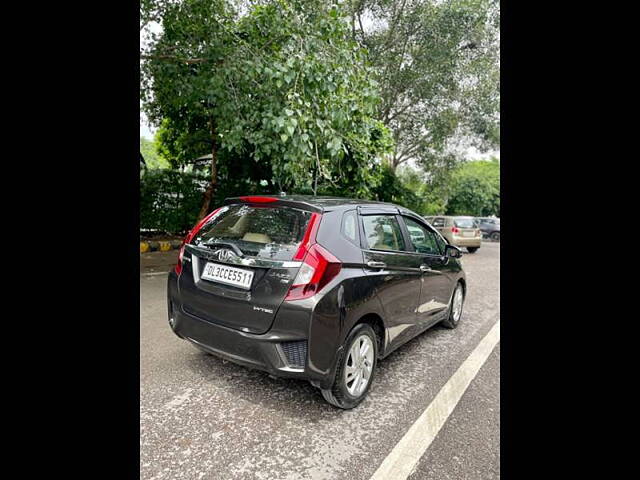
(313, 288)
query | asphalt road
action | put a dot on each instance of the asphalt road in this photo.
(205, 418)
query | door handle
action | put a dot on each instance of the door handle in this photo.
(426, 268)
(372, 264)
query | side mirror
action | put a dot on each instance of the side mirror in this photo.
(452, 251)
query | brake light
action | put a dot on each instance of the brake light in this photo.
(259, 199)
(189, 237)
(455, 230)
(318, 267)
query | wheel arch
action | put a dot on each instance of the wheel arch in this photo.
(375, 321)
(462, 281)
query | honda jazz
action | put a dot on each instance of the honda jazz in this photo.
(313, 288)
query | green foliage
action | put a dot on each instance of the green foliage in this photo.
(149, 150)
(411, 189)
(429, 196)
(180, 146)
(391, 189)
(284, 84)
(169, 200)
(237, 176)
(310, 101)
(475, 189)
(288, 100)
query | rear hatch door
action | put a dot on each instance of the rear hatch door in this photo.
(467, 226)
(238, 269)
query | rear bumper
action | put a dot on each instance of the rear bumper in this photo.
(467, 241)
(269, 352)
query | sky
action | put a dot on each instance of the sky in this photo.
(146, 130)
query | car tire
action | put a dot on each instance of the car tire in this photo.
(453, 319)
(472, 249)
(495, 236)
(344, 393)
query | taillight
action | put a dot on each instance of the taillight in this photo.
(318, 267)
(455, 230)
(189, 237)
(309, 236)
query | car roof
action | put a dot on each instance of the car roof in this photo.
(333, 201)
(320, 203)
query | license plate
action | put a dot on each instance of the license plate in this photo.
(237, 277)
(468, 234)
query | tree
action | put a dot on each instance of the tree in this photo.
(429, 195)
(149, 151)
(182, 146)
(178, 65)
(437, 63)
(285, 84)
(475, 189)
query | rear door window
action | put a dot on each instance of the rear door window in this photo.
(382, 232)
(264, 232)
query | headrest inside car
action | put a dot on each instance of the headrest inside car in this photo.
(256, 237)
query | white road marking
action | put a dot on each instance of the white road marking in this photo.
(404, 457)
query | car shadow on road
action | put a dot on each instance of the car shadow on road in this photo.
(287, 396)
(297, 398)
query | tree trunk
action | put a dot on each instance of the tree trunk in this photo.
(211, 188)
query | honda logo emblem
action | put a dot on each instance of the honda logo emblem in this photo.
(224, 254)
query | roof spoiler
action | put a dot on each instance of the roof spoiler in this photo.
(378, 210)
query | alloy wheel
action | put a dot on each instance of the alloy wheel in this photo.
(357, 371)
(457, 304)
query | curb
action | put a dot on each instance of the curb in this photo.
(154, 246)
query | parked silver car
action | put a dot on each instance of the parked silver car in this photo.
(461, 231)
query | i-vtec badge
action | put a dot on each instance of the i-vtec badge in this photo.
(265, 310)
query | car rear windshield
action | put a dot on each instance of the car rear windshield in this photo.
(264, 232)
(464, 222)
